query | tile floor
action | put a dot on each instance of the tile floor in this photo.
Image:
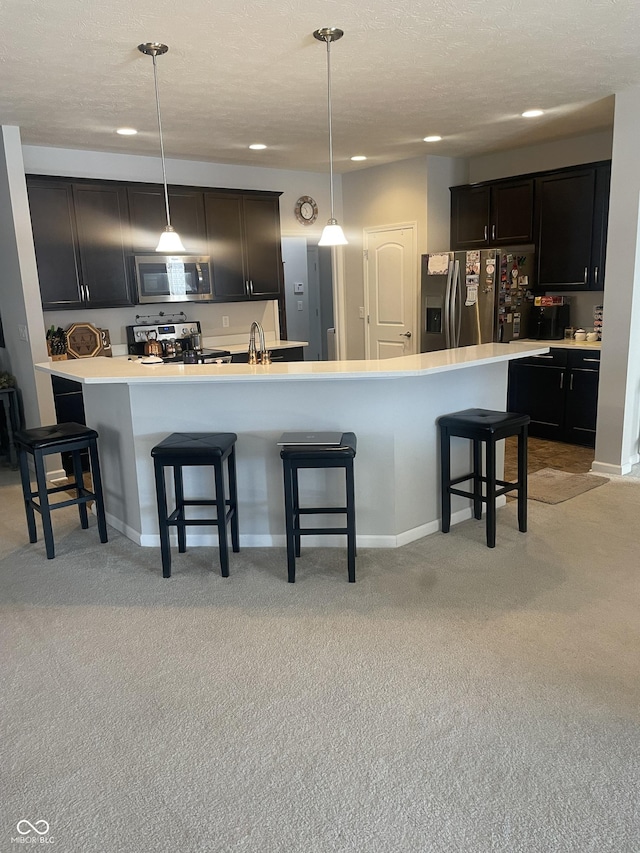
(548, 454)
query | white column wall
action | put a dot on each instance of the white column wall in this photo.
(619, 394)
(19, 288)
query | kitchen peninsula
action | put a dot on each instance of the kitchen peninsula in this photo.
(391, 405)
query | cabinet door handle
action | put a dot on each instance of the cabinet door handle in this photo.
(88, 292)
(246, 288)
(586, 275)
(571, 383)
(561, 381)
(493, 232)
(486, 232)
(595, 275)
(250, 287)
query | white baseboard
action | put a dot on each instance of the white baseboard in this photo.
(267, 540)
(615, 470)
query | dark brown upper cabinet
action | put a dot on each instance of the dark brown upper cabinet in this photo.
(81, 240)
(243, 231)
(492, 214)
(572, 208)
(149, 217)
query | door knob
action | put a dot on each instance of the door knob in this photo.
(405, 334)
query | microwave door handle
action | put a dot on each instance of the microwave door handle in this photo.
(447, 308)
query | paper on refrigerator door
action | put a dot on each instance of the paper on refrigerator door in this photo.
(438, 264)
(472, 293)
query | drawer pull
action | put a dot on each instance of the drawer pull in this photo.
(543, 356)
(597, 360)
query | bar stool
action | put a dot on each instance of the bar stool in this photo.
(297, 456)
(61, 438)
(181, 449)
(488, 427)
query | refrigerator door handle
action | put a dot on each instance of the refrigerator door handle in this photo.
(448, 328)
(456, 306)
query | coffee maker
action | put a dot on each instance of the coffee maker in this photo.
(548, 322)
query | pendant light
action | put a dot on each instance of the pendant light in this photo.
(332, 234)
(170, 241)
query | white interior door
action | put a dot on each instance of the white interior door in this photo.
(391, 293)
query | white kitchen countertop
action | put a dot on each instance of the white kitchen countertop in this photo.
(562, 344)
(120, 370)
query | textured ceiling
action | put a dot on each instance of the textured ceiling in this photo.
(239, 72)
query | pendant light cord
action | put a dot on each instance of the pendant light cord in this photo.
(164, 171)
(328, 40)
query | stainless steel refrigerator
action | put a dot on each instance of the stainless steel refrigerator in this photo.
(475, 297)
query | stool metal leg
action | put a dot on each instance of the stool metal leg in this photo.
(445, 477)
(491, 491)
(351, 522)
(96, 479)
(289, 513)
(233, 500)
(477, 481)
(79, 478)
(26, 491)
(161, 496)
(522, 479)
(221, 510)
(43, 498)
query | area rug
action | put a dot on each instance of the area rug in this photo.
(553, 487)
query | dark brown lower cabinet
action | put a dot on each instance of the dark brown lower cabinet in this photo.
(288, 354)
(69, 404)
(559, 391)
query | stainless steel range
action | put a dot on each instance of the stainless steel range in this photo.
(180, 342)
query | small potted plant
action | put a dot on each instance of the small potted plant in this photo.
(7, 380)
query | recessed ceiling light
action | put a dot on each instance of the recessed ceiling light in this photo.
(532, 113)
(359, 157)
(432, 139)
(126, 131)
(257, 146)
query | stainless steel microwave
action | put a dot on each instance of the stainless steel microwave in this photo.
(173, 278)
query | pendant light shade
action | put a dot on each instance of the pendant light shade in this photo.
(332, 234)
(169, 242)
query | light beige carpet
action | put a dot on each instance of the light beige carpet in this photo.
(553, 487)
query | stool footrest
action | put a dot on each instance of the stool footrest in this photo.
(320, 510)
(303, 531)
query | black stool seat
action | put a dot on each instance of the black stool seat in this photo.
(59, 438)
(488, 427)
(196, 445)
(297, 456)
(181, 449)
(46, 436)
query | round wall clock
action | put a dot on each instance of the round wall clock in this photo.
(306, 210)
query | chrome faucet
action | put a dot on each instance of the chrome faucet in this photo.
(261, 355)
